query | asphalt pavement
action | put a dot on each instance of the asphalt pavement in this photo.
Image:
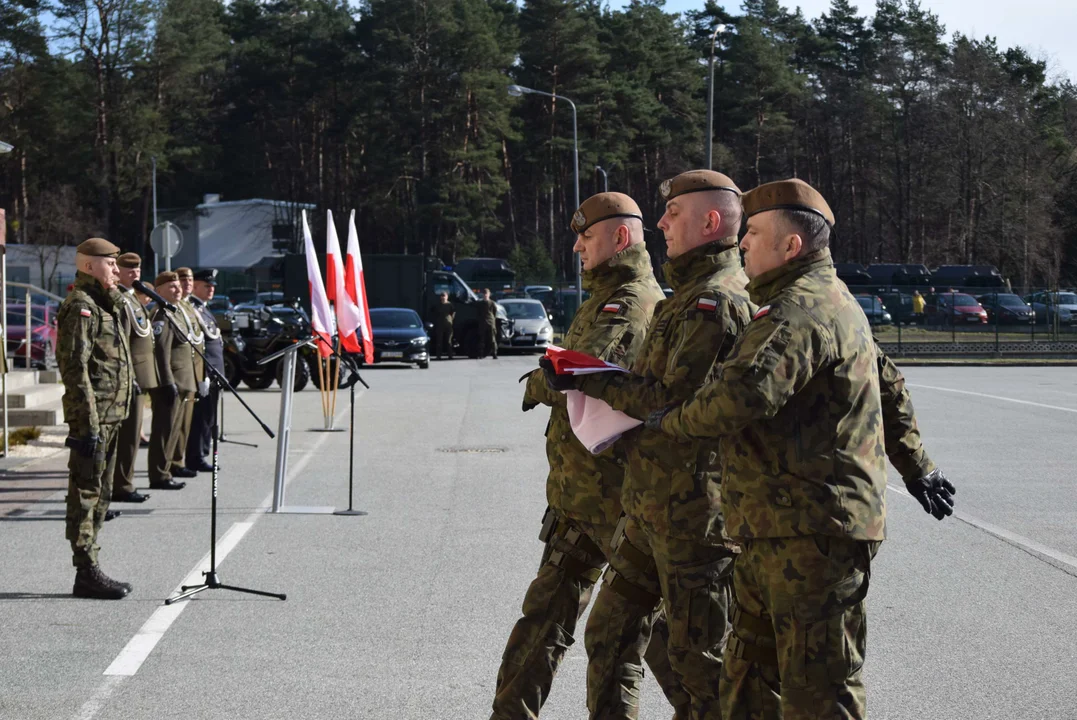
(403, 613)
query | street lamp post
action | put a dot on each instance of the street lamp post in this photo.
(517, 91)
(710, 100)
(605, 178)
(5, 148)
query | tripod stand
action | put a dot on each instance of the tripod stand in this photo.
(213, 582)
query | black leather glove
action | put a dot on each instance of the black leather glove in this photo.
(86, 447)
(171, 391)
(558, 383)
(934, 492)
(654, 420)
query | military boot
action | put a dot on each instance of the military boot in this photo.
(90, 582)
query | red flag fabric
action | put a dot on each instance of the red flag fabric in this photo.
(348, 318)
(320, 312)
(355, 286)
(572, 362)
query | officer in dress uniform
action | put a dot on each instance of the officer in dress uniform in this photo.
(205, 408)
(187, 320)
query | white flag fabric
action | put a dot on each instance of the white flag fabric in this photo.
(348, 318)
(355, 284)
(321, 316)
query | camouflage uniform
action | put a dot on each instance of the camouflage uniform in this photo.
(95, 363)
(188, 319)
(139, 331)
(673, 554)
(583, 491)
(803, 491)
(444, 314)
(488, 328)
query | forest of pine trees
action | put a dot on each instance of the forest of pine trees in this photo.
(930, 146)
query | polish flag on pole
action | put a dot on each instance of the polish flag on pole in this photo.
(320, 314)
(356, 289)
(348, 318)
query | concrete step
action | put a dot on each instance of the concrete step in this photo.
(35, 397)
(48, 377)
(19, 379)
(40, 417)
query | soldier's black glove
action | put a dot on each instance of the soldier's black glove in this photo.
(86, 447)
(171, 391)
(934, 492)
(654, 420)
(558, 383)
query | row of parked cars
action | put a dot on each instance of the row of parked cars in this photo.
(958, 308)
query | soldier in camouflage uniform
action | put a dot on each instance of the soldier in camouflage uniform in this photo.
(583, 490)
(444, 313)
(672, 553)
(188, 319)
(136, 324)
(95, 364)
(175, 372)
(800, 408)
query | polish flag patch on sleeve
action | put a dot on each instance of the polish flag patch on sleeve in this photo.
(708, 304)
(761, 312)
(611, 307)
(84, 312)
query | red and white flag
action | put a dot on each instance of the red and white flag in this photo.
(348, 318)
(321, 316)
(355, 286)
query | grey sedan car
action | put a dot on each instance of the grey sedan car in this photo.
(531, 325)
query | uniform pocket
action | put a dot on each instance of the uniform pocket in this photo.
(831, 634)
(699, 609)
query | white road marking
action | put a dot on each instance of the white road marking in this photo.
(1020, 541)
(130, 659)
(994, 397)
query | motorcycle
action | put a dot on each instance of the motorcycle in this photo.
(257, 331)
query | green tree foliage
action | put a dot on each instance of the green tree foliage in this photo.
(931, 146)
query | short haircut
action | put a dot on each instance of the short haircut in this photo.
(811, 227)
(729, 207)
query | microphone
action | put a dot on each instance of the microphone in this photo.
(152, 294)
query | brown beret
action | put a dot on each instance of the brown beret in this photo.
(185, 272)
(696, 181)
(166, 277)
(97, 247)
(787, 195)
(129, 260)
(601, 207)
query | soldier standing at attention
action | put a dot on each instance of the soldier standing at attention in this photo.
(95, 364)
(205, 407)
(671, 551)
(136, 323)
(801, 411)
(175, 372)
(583, 490)
(444, 314)
(187, 319)
(488, 329)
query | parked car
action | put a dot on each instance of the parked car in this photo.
(42, 335)
(531, 325)
(954, 308)
(399, 336)
(899, 305)
(220, 304)
(873, 308)
(530, 290)
(1047, 305)
(243, 295)
(561, 304)
(1007, 309)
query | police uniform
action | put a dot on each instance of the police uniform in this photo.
(95, 364)
(673, 553)
(204, 417)
(175, 371)
(799, 411)
(188, 320)
(583, 490)
(136, 323)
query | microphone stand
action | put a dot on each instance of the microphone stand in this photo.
(213, 582)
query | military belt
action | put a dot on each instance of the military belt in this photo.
(576, 568)
(753, 653)
(633, 593)
(635, 556)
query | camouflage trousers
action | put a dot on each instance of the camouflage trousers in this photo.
(651, 575)
(572, 562)
(89, 492)
(799, 630)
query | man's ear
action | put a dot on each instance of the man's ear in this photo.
(714, 222)
(624, 237)
(794, 244)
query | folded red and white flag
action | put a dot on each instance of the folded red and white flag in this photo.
(594, 423)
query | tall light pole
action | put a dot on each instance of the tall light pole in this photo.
(517, 91)
(710, 100)
(4, 148)
(605, 176)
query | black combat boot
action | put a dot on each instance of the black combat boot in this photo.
(90, 582)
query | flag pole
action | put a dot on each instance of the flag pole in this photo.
(335, 377)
